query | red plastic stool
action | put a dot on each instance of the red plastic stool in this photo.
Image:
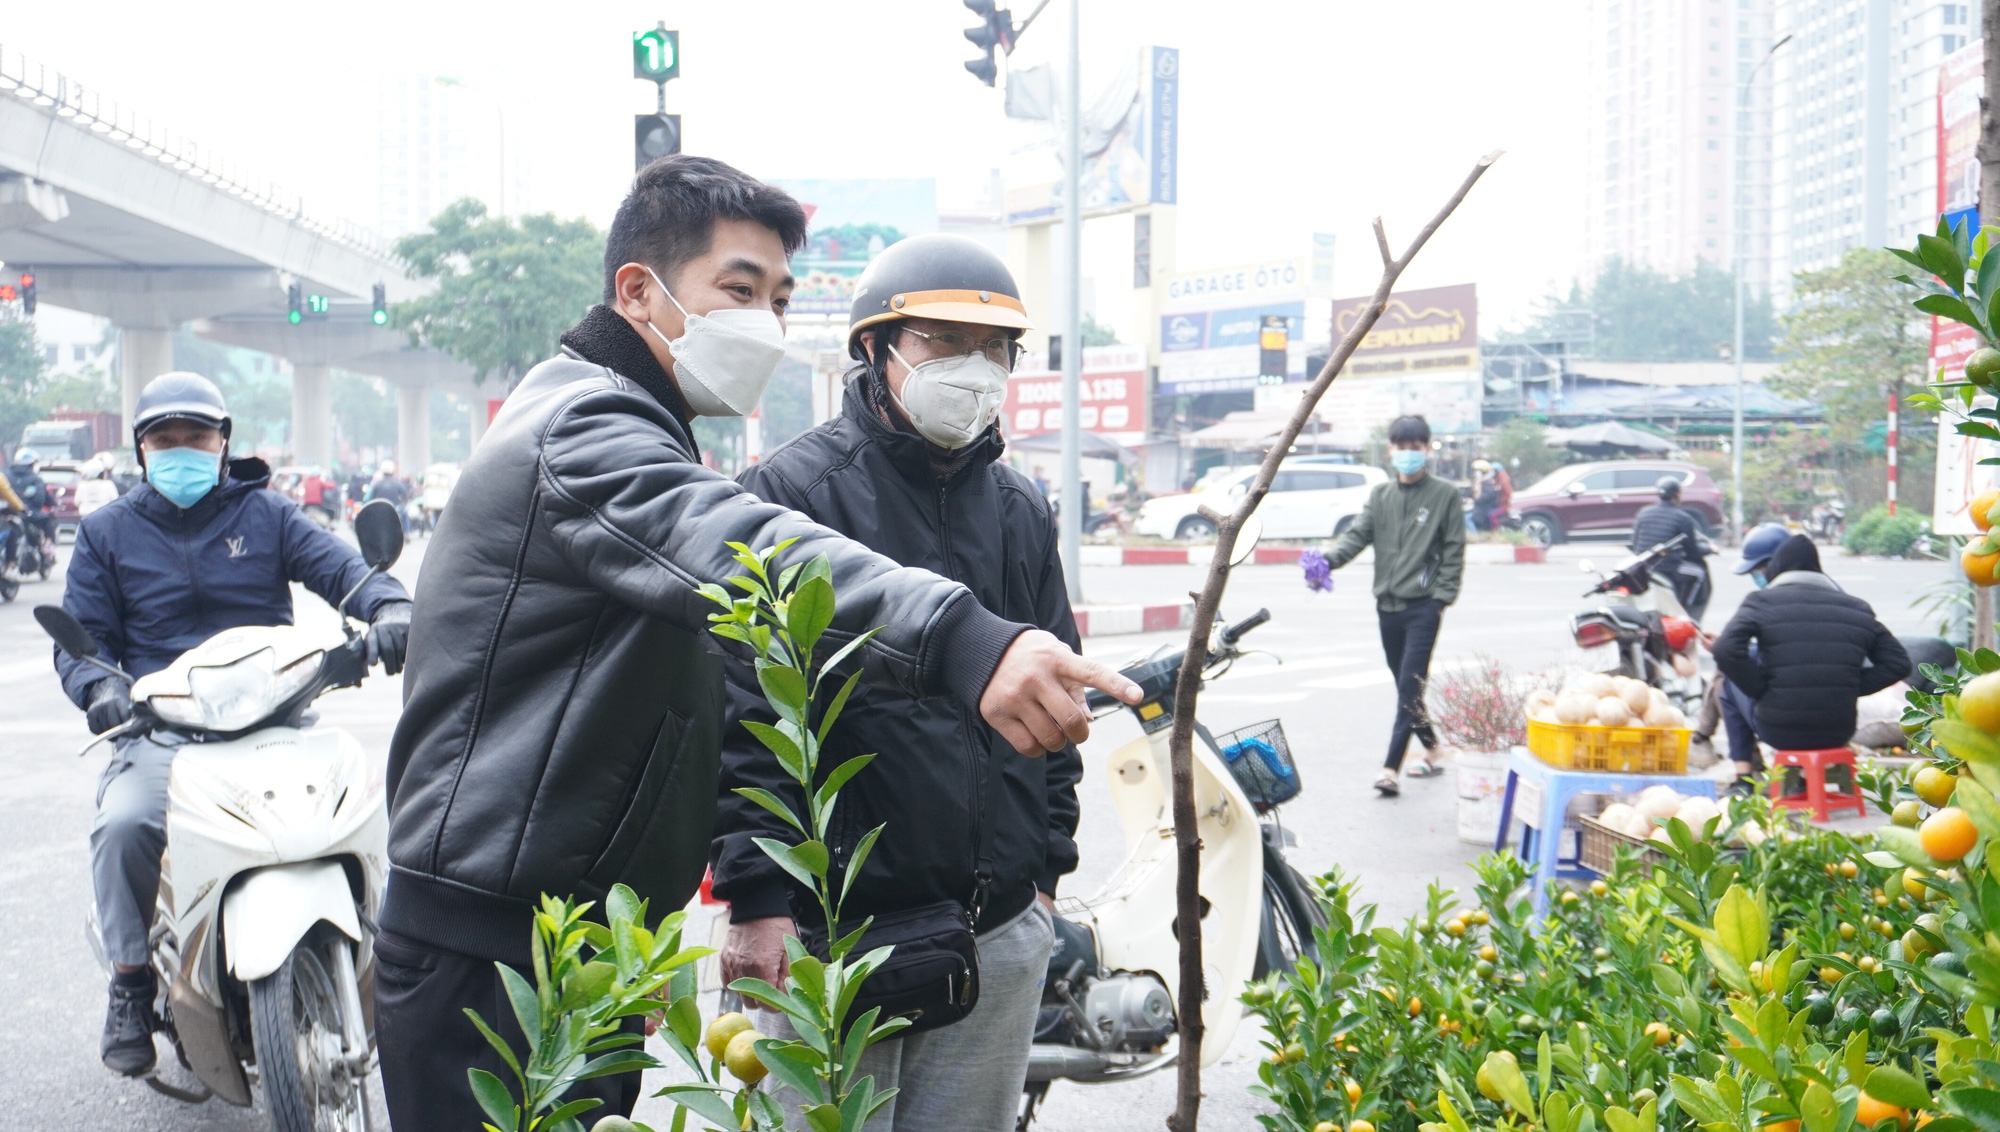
(1812, 765)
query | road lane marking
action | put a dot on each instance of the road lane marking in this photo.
(1354, 680)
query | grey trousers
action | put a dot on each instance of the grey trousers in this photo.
(126, 842)
(966, 1077)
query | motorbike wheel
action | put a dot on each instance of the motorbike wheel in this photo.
(8, 588)
(296, 1025)
(1289, 917)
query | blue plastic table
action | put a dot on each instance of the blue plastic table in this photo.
(1541, 836)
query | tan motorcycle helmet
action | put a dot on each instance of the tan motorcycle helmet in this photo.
(936, 276)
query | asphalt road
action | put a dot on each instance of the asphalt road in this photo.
(1332, 691)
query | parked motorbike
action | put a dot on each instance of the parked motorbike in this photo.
(1827, 522)
(277, 853)
(416, 519)
(1644, 621)
(1108, 1003)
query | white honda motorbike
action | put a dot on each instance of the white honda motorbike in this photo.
(277, 853)
(1108, 1004)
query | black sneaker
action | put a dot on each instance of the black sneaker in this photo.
(128, 1030)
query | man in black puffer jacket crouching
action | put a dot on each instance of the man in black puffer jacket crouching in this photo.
(1805, 651)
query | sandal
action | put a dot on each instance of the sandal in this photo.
(1425, 768)
(1387, 786)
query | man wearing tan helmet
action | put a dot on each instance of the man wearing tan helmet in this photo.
(975, 840)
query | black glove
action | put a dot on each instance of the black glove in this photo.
(110, 705)
(389, 635)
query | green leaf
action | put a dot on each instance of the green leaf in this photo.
(785, 689)
(710, 1102)
(496, 1041)
(834, 662)
(794, 1064)
(782, 853)
(839, 703)
(1882, 860)
(1906, 846)
(839, 776)
(779, 744)
(1510, 1084)
(810, 856)
(621, 903)
(1818, 1111)
(494, 1098)
(570, 1111)
(527, 1006)
(1742, 926)
(1941, 259)
(1945, 306)
(1976, 800)
(809, 612)
(624, 1061)
(1980, 1106)
(772, 803)
(1888, 1083)
(860, 854)
(684, 1020)
(823, 1118)
(1966, 742)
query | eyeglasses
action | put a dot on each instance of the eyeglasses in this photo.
(1001, 350)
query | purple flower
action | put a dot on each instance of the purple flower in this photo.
(1319, 574)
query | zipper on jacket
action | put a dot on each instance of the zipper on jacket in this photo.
(977, 758)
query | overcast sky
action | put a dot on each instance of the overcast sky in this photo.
(1298, 115)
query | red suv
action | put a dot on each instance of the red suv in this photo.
(1601, 499)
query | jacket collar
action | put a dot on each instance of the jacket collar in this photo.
(246, 475)
(867, 404)
(1803, 578)
(604, 338)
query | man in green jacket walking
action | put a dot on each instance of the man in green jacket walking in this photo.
(1417, 526)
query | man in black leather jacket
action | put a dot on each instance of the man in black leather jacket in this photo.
(911, 468)
(563, 708)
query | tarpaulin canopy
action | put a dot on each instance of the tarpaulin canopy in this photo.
(1088, 444)
(1607, 435)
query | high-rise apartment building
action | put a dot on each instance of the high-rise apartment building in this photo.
(437, 140)
(1680, 136)
(1857, 122)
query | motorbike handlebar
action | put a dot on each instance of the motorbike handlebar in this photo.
(1233, 633)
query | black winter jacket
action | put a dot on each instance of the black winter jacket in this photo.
(151, 581)
(562, 711)
(1818, 650)
(942, 780)
(1658, 522)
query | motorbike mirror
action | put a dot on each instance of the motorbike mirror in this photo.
(1587, 566)
(68, 632)
(1247, 537)
(379, 530)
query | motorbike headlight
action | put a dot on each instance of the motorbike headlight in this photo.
(233, 697)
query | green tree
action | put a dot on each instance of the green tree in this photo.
(23, 372)
(1851, 342)
(505, 290)
(1096, 333)
(1521, 446)
(1638, 314)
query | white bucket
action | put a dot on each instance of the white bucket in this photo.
(1482, 784)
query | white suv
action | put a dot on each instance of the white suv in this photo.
(1310, 498)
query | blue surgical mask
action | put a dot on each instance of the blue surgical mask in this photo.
(183, 475)
(1758, 579)
(1408, 461)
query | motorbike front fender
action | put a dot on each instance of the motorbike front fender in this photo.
(270, 910)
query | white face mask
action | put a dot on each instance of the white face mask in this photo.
(953, 401)
(725, 358)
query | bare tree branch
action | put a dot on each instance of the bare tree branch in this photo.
(1187, 687)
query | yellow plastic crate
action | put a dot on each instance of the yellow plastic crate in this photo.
(1618, 750)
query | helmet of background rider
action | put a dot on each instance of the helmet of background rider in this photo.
(939, 276)
(1668, 488)
(178, 396)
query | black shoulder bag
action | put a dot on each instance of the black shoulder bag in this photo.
(932, 976)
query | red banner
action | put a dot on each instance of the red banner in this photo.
(1113, 401)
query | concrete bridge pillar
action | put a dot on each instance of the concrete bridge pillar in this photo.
(144, 353)
(312, 415)
(413, 429)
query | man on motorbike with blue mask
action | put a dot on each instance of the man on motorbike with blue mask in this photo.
(199, 548)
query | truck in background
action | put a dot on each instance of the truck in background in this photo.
(73, 434)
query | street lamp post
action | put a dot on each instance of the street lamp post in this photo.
(1744, 106)
(1069, 532)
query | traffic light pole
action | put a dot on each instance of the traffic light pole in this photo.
(1070, 531)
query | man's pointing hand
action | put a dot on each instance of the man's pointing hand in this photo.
(1035, 697)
